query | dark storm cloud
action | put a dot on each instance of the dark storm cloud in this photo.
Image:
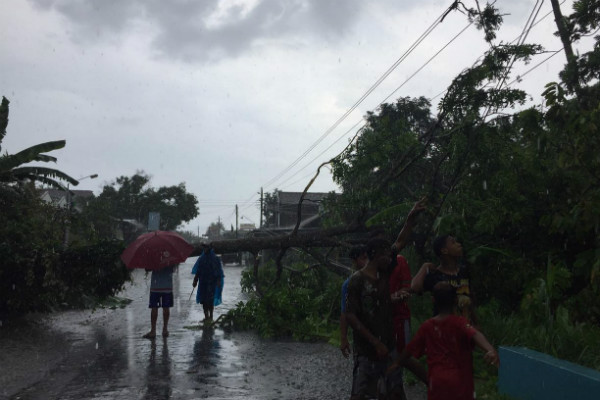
(182, 30)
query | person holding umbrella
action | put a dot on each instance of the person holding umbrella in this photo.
(209, 277)
(161, 295)
(159, 252)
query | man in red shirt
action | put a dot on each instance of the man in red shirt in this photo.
(400, 292)
(448, 340)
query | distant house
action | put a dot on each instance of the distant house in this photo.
(286, 209)
(58, 198)
(247, 227)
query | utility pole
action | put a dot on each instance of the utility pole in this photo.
(69, 200)
(236, 221)
(68, 219)
(261, 208)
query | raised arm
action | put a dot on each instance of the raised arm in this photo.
(416, 284)
(404, 235)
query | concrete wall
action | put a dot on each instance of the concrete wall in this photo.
(526, 374)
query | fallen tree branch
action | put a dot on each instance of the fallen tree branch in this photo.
(318, 238)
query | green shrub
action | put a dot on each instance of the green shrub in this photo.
(303, 305)
(35, 273)
(94, 270)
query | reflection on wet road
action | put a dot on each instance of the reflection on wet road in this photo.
(107, 358)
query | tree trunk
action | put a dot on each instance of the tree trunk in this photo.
(573, 75)
(317, 238)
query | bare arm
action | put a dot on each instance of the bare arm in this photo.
(360, 329)
(344, 344)
(402, 239)
(416, 285)
(491, 355)
(417, 368)
(412, 364)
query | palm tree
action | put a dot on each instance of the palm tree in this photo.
(11, 165)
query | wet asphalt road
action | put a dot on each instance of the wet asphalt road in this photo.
(102, 355)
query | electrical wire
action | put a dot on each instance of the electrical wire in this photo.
(518, 78)
(531, 22)
(383, 101)
(423, 36)
(522, 39)
(513, 41)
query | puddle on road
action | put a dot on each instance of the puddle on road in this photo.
(203, 363)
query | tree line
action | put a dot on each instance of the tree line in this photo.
(39, 269)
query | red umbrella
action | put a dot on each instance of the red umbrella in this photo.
(156, 250)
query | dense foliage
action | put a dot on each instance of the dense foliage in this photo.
(36, 272)
(520, 189)
(304, 305)
(39, 269)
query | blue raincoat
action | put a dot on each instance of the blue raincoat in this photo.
(209, 269)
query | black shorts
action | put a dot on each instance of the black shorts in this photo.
(161, 299)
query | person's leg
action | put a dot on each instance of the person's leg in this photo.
(354, 375)
(153, 318)
(365, 382)
(394, 381)
(210, 312)
(166, 314)
(206, 312)
(167, 303)
(153, 303)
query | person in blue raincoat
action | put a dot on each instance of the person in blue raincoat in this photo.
(209, 277)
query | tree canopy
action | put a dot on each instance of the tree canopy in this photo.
(133, 198)
(521, 189)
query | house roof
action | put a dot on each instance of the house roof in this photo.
(54, 194)
(294, 197)
(57, 194)
(83, 193)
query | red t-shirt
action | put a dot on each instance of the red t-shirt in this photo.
(448, 345)
(400, 278)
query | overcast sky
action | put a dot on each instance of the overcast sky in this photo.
(224, 95)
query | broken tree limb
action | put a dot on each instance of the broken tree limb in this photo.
(255, 269)
(278, 264)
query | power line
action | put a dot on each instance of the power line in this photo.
(366, 94)
(321, 153)
(531, 22)
(513, 41)
(383, 101)
(526, 30)
(518, 78)
(426, 63)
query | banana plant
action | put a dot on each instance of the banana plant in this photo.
(12, 168)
